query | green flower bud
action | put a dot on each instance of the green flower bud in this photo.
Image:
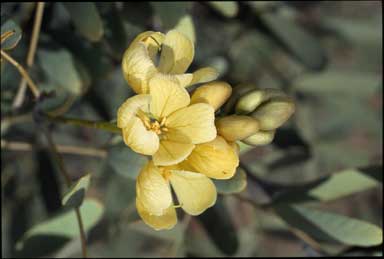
(260, 138)
(237, 92)
(274, 113)
(251, 100)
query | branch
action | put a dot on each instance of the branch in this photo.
(107, 126)
(31, 54)
(63, 149)
(31, 84)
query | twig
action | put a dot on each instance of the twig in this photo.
(67, 178)
(63, 149)
(31, 54)
(85, 123)
(31, 84)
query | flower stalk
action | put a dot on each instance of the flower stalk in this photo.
(107, 126)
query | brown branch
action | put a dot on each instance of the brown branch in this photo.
(63, 149)
(31, 84)
(31, 54)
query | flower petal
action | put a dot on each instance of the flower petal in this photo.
(165, 221)
(141, 140)
(153, 190)
(138, 67)
(171, 153)
(214, 93)
(195, 121)
(184, 79)
(195, 191)
(215, 159)
(167, 96)
(204, 74)
(176, 54)
(130, 107)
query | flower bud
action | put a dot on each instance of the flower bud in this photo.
(214, 93)
(237, 92)
(250, 101)
(260, 138)
(236, 127)
(274, 113)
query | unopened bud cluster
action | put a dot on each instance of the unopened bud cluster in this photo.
(257, 114)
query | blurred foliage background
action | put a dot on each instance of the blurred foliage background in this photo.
(304, 191)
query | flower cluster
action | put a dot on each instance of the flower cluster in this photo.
(186, 144)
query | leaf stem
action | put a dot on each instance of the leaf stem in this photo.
(31, 53)
(107, 126)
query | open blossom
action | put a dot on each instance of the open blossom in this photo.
(163, 123)
(176, 54)
(195, 193)
(190, 179)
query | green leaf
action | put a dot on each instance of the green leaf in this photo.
(126, 162)
(331, 227)
(226, 8)
(334, 82)
(11, 41)
(298, 42)
(59, 66)
(170, 13)
(75, 196)
(86, 19)
(333, 186)
(58, 100)
(185, 25)
(234, 185)
(115, 35)
(64, 226)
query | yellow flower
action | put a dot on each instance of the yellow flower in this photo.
(195, 193)
(163, 124)
(190, 178)
(218, 158)
(177, 52)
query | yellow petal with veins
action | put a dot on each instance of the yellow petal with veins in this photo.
(195, 191)
(177, 53)
(167, 96)
(165, 221)
(139, 138)
(195, 121)
(214, 93)
(215, 159)
(130, 107)
(170, 153)
(138, 67)
(153, 191)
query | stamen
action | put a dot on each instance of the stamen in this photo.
(163, 120)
